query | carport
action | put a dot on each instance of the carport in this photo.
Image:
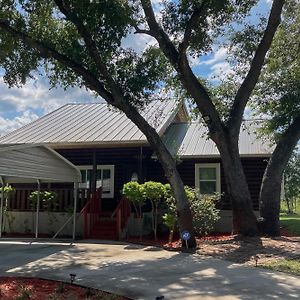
(36, 164)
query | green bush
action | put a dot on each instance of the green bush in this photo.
(48, 200)
(133, 191)
(205, 213)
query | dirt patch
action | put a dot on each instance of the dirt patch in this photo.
(252, 251)
(36, 289)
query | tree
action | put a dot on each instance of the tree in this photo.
(187, 27)
(279, 98)
(80, 43)
(292, 183)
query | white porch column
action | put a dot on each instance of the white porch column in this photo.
(75, 209)
(37, 209)
(1, 205)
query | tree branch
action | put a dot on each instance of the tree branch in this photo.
(181, 65)
(48, 52)
(189, 29)
(65, 8)
(158, 33)
(144, 31)
(246, 88)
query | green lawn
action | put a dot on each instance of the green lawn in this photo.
(291, 223)
(291, 266)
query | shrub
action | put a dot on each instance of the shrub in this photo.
(155, 192)
(205, 213)
(203, 207)
(48, 200)
(133, 191)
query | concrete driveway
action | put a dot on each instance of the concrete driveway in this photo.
(144, 272)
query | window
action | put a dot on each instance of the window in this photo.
(207, 178)
(104, 178)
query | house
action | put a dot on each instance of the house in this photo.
(109, 150)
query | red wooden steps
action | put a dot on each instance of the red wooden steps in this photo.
(105, 229)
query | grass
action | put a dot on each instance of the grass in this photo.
(291, 222)
(291, 266)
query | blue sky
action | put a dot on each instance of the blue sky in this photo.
(19, 106)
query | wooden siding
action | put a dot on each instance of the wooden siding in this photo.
(253, 168)
(126, 161)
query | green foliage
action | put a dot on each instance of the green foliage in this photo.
(133, 192)
(154, 191)
(278, 92)
(24, 294)
(205, 213)
(8, 191)
(48, 200)
(292, 181)
(169, 219)
(214, 15)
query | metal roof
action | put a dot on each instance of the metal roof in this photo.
(28, 163)
(191, 140)
(92, 123)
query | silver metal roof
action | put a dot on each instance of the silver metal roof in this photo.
(92, 123)
(191, 140)
(28, 163)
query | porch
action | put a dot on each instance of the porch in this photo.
(92, 218)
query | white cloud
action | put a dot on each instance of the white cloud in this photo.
(219, 56)
(19, 106)
(138, 42)
(220, 70)
(35, 95)
(8, 125)
(219, 67)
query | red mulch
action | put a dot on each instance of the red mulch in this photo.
(162, 241)
(43, 289)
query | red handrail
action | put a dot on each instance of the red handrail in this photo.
(91, 212)
(122, 213)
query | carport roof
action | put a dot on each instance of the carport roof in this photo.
(29, 163)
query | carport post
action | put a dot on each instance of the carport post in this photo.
(37, 210)
(1, 205)
(75, 208)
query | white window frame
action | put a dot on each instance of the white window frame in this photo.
(218, 175)
(100, 167)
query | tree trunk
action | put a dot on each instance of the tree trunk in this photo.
(244, 220)
(184, 214)
(271, 184)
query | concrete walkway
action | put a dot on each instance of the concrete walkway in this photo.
(144, 272)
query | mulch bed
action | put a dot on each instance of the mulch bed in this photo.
(235, 248)
(22, 288)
